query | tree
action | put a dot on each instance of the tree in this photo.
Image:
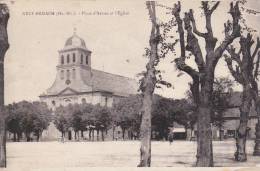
(76, 119)
(103, 119)
(42, 118)
(14, 122)
(4, 45)
(89, 119)
(245, 72)
(203, 79)
(61, 120)
(161, 116)
(184, 113)
(221, 94)
(147, 87)
(26, 117)
(257, 103)
(126, 114)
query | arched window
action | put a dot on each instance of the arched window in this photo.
(62, 59)
(74, 58)
(81, 59)
(106, 100)
(83, 100)
(53, 103)
(68, 74)
(68, 58)
(73, 73)
(87, 60)
(62, 74)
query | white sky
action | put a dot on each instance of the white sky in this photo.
(30, 65)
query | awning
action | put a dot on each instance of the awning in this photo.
(181, 130)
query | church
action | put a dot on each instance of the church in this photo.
(77, 82)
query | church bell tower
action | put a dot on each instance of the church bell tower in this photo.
(72, 58)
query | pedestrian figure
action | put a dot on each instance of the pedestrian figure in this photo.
(170, 137)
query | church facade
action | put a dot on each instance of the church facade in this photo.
(77, 82)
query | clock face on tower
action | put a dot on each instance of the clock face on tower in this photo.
(67, 82)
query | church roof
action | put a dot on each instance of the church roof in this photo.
(96, 81)
(119, 85)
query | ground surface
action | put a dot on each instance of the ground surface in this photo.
(49, 155)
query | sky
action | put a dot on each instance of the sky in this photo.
(116, 32)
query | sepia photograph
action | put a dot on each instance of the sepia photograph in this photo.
(129, 85)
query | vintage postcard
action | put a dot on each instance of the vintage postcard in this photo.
(105, 85)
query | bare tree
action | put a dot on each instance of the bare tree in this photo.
(257, 105)
(147, 87)
(203, 78)
(4, 45)
(245, 73)
(257, 100)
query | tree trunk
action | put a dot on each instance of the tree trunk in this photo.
(188, 134)
(2, 143)
(93, 134)
(123, 133)
(204, 138)
(113, 133)
(257, 129)
(19, 136)
(14, 138)
(28, 138)
(240, 154)
(221, 134)
(82, 134)
(145, 132)
(4, 45)
(89, 134)
(147, 87)
(97, 134)
(38, 136)
(102, 135)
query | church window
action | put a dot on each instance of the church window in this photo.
(87, 60)
(62, 59)
(68, 74)
(83, 100)
(68, 58)
(53, 103)
(74, 58)
(81, 59)
(62, 74)
(73, 73)
(106, 99)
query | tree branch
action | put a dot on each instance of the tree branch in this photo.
(208, 13)
(256, 48)
(195, 30)
(235, 73)
(193, 44)
(181, 65)
(235, 13)
(214, 6)
(176, 12)
(256, 73)
(235, 56)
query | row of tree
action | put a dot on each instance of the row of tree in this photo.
(27, 118)
(31, 118)
(125, 114)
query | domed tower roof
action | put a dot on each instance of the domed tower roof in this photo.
(75, 41)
